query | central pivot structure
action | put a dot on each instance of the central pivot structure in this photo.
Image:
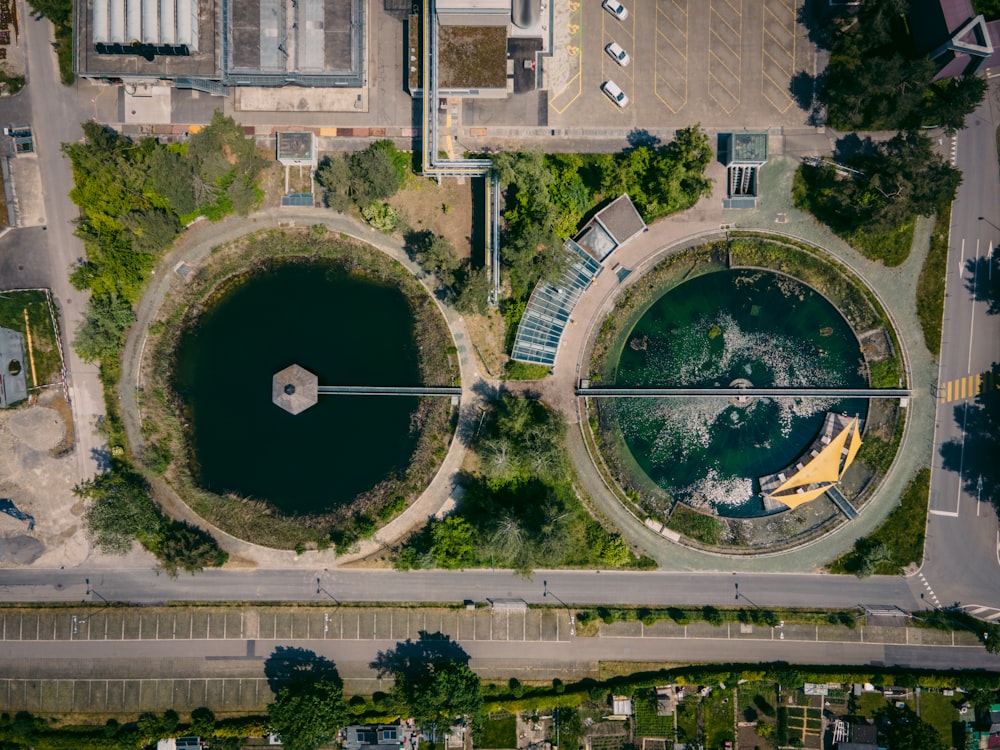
(294, 389)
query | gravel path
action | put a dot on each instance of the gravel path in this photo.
(192, 248)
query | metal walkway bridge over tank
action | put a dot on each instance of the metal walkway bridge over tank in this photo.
(612, 392)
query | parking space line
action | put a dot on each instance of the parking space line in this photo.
(669, 13)
(777, 52)
(573, 63)
(725, 76)
(610, 70)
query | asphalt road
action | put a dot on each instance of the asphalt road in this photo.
(33, 257)
(579, 656)
(571, 587)
(962, 559)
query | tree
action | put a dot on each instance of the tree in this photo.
(100, 334)
(308, 713)
(181, 546)
(202, 722)
(473, 292)
(377, 173)
(121, 510)
(152, 230)
(453, 542)
(434, 253)
(333, 174)
(172, 176)
(907, 731)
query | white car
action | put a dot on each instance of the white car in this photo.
(619, 55)
(615, 93)
(616, 9)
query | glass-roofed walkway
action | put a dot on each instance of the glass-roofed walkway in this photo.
(549, 309)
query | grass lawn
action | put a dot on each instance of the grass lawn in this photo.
(647, 722)
(892, 247)
(687, 720)
(930, 286)
(48, 363)
(939, 711)
(902, 532)
(870, 703)
(498, 733)
(717, 713)
(760, 697)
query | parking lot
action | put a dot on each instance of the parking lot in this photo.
(282, 623)
(719, 62)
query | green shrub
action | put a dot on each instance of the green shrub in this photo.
(698, 526)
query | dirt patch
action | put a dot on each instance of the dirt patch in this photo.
(37, 427)
(444, 209)
(487, 332)
(40, 484)
(240, 562)
(20, 550)
(56, 400)
(272, 182)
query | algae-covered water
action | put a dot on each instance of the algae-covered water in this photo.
(718, 328)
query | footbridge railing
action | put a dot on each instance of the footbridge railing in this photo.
(388, 390)
(743, 392)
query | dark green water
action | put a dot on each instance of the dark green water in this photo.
(346, 330)
(713, 330)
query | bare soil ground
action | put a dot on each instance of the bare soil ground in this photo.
(444, 209)
(37, 475)
(272, 182)
(487, 333)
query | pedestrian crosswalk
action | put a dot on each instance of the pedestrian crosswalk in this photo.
(969, 387)
(990, 614)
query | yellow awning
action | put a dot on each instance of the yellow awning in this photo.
(795, 499)
(825, 467)
(853, 448)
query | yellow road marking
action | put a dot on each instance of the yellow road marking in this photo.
(31, 349)
(978, 382)
(949, 391)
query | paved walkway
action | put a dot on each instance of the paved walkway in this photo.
(192, 248)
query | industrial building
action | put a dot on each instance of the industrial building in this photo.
(211, 45)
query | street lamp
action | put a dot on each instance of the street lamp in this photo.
(781, 623)
(572, 618)
(77, 621)
(321, 590)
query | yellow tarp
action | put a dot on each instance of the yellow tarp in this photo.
(825, 467)
(853, 448)
(795, 499)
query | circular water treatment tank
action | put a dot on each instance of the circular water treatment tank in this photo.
(736, 328)
(343, 328)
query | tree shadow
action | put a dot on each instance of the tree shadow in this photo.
(820, 21)
(288, 664)
(975, 458)
(983, 282)
(807, 90)
(853, 146)
(102, 457)
(640, 137)
(413, 658)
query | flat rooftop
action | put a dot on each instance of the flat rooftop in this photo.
(307, 36)
(472, 57)
(119, 24)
